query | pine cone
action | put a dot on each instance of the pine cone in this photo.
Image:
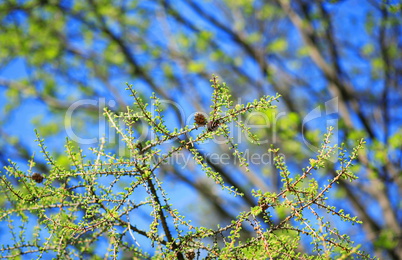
(190, 255)
(213, 125)
(200, 119)
(37, 177)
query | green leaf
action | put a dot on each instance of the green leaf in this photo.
(278, 45)
(196, 67)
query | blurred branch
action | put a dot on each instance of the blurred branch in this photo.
(338, 87)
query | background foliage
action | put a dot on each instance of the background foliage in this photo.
(54, 53)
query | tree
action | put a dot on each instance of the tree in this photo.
(77, 206)
(312, 53)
